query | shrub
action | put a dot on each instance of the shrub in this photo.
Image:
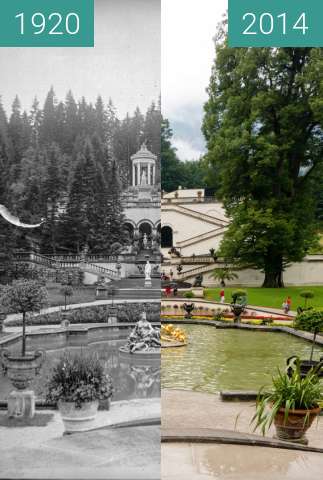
(23, 296)
(310, 320)
(78, 378)
(306, 294)
(236, 294)
(218, 317)
(97, 314)
(189, 295)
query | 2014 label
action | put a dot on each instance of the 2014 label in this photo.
(266, 23)
(53, 24)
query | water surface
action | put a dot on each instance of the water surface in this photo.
(225, 359)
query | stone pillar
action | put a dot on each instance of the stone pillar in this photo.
(133, 175)
(149, 175)
(138, 174)
(154, 175)
(21, 404)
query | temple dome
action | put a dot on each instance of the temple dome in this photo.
(144, 154)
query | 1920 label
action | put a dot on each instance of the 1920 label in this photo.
(47, 23)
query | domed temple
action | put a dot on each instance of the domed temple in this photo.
(141, 201)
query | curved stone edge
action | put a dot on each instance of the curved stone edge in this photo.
(229, 437)
(143, 354)
(307, 336)
(174, 345)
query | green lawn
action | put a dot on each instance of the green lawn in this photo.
(81, 295)
(271, 297)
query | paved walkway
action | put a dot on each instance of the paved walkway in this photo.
(202, 461)
(187, 409)
(128, 452)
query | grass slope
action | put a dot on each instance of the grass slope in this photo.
(271, 297)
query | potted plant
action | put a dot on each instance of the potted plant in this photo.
(292, 404)
(310, 321)
(2, 319)
(306, 294)
(66, 291)
(23, 296)
(77, 384)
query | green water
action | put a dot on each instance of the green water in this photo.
(224, 359)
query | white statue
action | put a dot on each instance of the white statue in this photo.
(145, 240)
(143, 178)
(148, 271)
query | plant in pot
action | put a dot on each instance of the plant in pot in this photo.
(66, 291)
(77, 384)
(23, 296)
(238, 305)
(292, 404)
(310, 321)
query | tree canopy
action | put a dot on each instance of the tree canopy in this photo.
(263, 125)
(69, 162)
(175, 172)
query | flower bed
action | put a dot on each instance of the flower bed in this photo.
(96, 314)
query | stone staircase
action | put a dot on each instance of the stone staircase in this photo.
(201, 237)
(196, 271)
(220, 223)
(133, 289)
(51, 264)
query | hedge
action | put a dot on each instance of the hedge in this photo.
(96, 314)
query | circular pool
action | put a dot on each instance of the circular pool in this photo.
(131, 379)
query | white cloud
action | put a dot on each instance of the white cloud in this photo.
(188, 28)
(186, 151)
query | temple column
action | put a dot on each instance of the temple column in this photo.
(133, 175)
(149, 175)
(154, 175)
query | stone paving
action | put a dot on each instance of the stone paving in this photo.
(132, 451)
(202, 413)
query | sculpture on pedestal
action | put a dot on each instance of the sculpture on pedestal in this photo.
(143, 338)
(148, 274)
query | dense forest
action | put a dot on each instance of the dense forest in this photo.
(175, 172)
(68, 162)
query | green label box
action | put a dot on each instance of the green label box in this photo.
(275, 23)
(47, 23)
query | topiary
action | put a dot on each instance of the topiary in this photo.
(236, 294)
(306, 294)
(189, 295)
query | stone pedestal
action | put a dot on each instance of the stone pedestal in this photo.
(21, 404)
(148, 283)
(113, 315)
(101, 292)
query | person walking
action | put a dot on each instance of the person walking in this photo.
(222, 296)
(287, 305)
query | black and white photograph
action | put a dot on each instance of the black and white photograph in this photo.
(79, 252)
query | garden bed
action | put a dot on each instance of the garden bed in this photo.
(95, 314)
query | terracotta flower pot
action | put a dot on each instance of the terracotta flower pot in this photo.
(296, 425)
(78, 419)
(21, 370)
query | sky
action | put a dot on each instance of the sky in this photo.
(123, 65)
(188, 28)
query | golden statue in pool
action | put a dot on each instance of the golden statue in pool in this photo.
(172, 336)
